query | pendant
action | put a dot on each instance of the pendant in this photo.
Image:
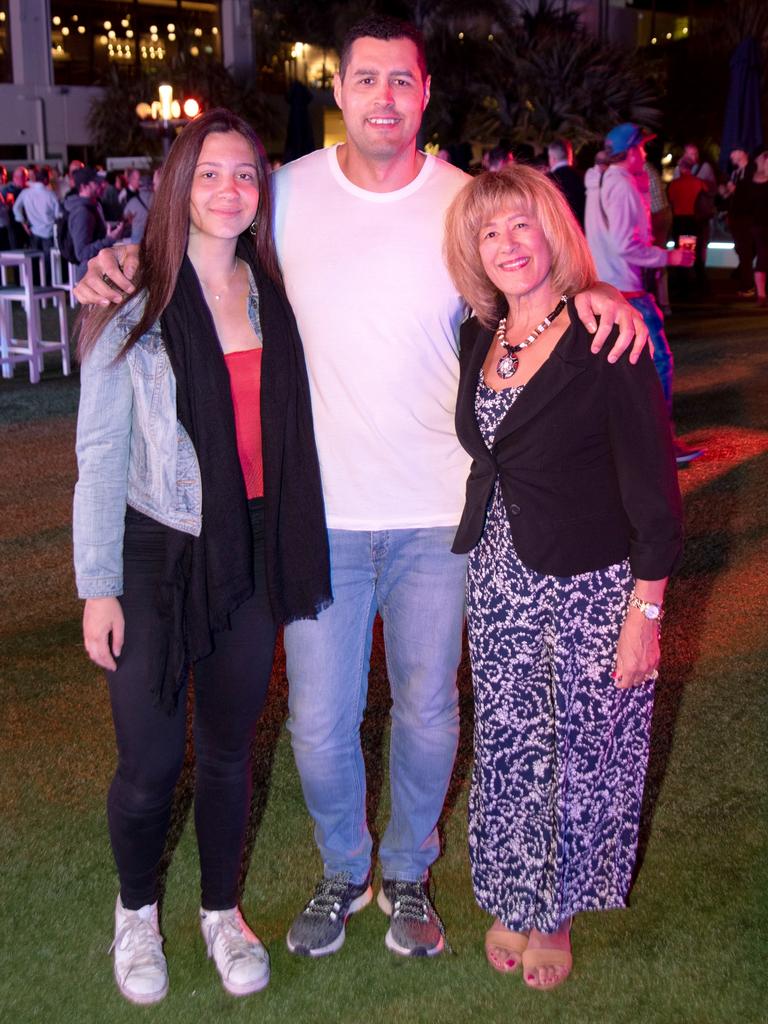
(507, 366)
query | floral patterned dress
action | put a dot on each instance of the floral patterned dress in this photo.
(560, 752)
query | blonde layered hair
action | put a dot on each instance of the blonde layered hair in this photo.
(525, 191)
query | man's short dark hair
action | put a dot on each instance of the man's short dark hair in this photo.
(381, 27)
(560, 149)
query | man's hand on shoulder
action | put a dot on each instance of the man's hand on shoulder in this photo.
(605, 302)
(109, 276)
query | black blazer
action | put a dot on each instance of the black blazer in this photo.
(584, 457)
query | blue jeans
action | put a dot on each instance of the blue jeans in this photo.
(662, 353)
(417, 584)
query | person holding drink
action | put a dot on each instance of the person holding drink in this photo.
(618, 230)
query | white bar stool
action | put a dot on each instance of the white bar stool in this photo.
(62, 279)
(32, 348)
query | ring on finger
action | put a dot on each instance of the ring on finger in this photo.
(106, 279)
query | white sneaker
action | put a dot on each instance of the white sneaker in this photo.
(240, 958)
(141, 972)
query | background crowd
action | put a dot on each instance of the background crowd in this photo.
(93, 207)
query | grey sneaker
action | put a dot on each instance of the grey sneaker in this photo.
(415, 929)
(319, 928)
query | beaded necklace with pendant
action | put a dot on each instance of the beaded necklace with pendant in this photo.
(508, 363)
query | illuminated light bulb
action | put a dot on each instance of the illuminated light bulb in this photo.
(65, 31)
(107, 25)
(214, 31)
(194, 50)
(654, 41)
(171, 27)
(191, 108)
(208, 49)
(154, 37)
(461, 35)
(490, 38)
(171, 37)
(81, 30)
(75, 18)
(685, 31)
(129, 33)
(165, 92)
(198, 32)
(112, 34)
(103, 40)
(160, 53)
(669, 35)
(152, 28)
(56, 20)
(125, 23)
(176, 109)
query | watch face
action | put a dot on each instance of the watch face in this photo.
(652, 611)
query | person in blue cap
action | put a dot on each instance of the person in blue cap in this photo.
(618, 229)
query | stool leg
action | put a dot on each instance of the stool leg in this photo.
(66, 366)
(33, 341)
(6, 334)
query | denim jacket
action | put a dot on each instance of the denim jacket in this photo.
(131, 449)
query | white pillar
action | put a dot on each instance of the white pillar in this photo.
(31, 42)
(237, 38)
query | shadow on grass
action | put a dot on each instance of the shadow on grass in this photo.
(709, 513)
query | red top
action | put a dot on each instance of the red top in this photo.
(682, 194)
(245, 382)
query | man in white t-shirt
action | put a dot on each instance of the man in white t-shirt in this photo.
(359, 231)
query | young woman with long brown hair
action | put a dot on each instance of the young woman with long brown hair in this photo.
(198, 528)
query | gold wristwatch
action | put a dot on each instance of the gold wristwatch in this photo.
(651, 611)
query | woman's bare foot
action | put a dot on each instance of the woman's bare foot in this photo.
(547, 958)
(503, 948)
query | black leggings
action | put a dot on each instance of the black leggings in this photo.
(230, 689)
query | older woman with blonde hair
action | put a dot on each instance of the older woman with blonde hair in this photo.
(573, 524)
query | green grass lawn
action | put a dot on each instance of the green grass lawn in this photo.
(692, 948)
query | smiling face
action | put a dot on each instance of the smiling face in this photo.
(382, 97)
(515, 254)
(225, 192)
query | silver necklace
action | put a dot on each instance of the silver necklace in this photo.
(508, 364)
(217, 296)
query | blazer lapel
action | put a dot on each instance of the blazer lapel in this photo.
(472, 439)
(563, 365)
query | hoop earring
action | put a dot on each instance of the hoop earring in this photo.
(253, 228)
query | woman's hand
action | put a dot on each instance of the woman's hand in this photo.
(638, 651)
(103, 617)
(93, 290)
(605, 301)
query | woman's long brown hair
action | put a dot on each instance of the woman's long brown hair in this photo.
(164, 244)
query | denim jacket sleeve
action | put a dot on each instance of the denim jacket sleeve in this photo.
(103, 448)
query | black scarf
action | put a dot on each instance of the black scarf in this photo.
(208, 577)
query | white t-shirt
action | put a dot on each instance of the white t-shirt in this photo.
(379, 317)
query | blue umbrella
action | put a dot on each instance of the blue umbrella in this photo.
(743, 128)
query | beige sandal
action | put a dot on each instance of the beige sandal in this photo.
(544, 957)
(508, 942)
